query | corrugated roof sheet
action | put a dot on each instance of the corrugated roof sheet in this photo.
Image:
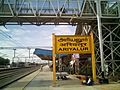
(45, 54)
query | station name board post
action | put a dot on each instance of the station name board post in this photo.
(69, 44)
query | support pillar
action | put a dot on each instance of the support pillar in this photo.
(93, 58)
(14, 54)
(100, 35)
(54, 60)
(79, 29)
(29, 52)
(113, 63)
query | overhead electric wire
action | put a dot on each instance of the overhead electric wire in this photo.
(4, 54)
(10, 38)
(1, 39)
(4, 34)
(7, 36)
(19, 44)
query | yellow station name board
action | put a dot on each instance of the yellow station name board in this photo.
(70, 44)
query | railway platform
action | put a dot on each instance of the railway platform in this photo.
(42, 80)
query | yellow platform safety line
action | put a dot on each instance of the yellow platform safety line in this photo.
(93, 58)
(54, 60)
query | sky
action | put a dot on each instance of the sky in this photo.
(29, 35)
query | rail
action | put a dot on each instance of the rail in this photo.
(7, 76)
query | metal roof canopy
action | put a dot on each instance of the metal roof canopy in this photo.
(45, 54)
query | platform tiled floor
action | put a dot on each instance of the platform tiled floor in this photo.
(43, 81)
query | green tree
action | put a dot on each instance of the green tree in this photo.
(4, 61)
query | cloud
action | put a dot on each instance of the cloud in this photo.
(6, 43)
(18, 32)
(4, 29)
(64, 30)
(33, 36)
(39, 36)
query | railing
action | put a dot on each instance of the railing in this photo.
(109, 8)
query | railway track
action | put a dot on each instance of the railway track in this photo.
(7, 76)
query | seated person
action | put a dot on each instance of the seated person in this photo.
(89, 81)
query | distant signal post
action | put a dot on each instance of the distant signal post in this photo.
(69, 44)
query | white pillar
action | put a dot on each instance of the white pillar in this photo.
(100, 33)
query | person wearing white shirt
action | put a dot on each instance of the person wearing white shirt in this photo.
(76, 58)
